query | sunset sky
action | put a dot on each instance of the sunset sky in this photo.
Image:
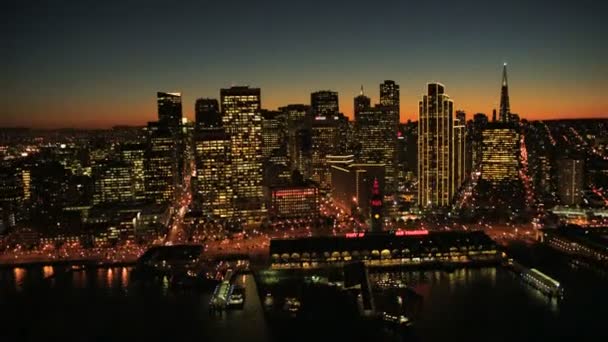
(100, 63)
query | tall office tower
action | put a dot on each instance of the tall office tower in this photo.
(500, 153)
(376, 132)
(435, 150)
(49, 188)
(243, 122)
(505, 109)
(272, 132)
(460, 131)
(133, 155)
(376, 207)
(294, 115)
(570, 181)
(324, 103)
(207, 114)
(113, 183)
(212, 185)
(480, 121)
(11, 195)
(362, 102)
(160, 164)
(389, 102)
(303, 151)
(325, 139)
(169, 109)
(389, 94)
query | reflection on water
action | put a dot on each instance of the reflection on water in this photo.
(19, 274)
(47, 271)
(109, 278)
(124, 277)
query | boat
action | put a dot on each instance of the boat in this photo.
(391, 284)
(397, 320)
(292, 305)
(542, 282)
(268, 301)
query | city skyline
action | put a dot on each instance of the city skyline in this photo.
(107, 72)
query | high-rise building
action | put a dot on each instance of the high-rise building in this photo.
(570, 181)
(500, 153)
(362, 102)
(212, 186)
(243, 122)
(160, 164)
(134, 155)
(389, 94)
(273, 133)
(376, 132)
(295, 116)
(435, 148)
(11, 195)
(324, 103)
(113, 183)
(352, 188)
(169, 109)
(300, 201)
(460, 153)
(325, 139)
(505, 109)
(207, 114)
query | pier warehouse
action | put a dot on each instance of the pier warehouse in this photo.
(386, 249)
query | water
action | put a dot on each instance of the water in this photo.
(473, 305)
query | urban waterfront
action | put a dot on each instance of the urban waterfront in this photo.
(467, 304)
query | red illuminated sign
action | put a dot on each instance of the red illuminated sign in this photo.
(418, 232)
(354, 235)
(376, 203)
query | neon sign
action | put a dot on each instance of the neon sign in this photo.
(418, 232)
(354, 235)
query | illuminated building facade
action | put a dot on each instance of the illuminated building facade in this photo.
(324, 103)
(401, 247)
(273, 130)
(325, 140)
(389, 95)
(113, 183)
(570, 181)
(435, 148)
(160, 165)
(460, 152)
(11, 196)
(500, 153)
(295, 121)
(243, 122)
(212, 185)
(294, 202)
(376, 132)
(133, 155)
(207, 114)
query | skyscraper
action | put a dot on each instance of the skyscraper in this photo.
(213, 191)
(500, 153)
(324, 103)
(160, 164)
(570, 181)
(133, 155)
(169, 109)
(243, 122)
(505, 109)
(389, 94)
(207, 114)
(460, 155)
(325, 139)
(435, 125)
(113, 183)
(362, 102)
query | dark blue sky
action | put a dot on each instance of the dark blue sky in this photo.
(96, 63)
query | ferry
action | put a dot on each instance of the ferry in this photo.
(397, 320)
(391, 284)
(543, 283)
